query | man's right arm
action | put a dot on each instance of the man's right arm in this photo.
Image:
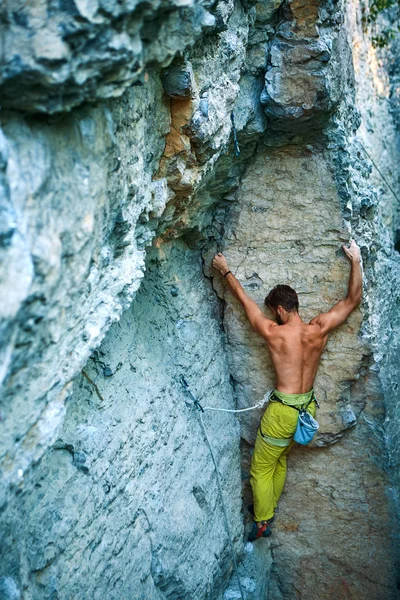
(259, 322)
(339, 313)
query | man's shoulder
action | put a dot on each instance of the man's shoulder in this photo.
(315, 321)
(270, 325)
(316, 327)
(267, 327)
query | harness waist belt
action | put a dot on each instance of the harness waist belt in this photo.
(275, 441)
(297, 401)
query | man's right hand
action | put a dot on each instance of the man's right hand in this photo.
(219, 262)
(353, 252)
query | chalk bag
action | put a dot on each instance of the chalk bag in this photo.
(306, 428)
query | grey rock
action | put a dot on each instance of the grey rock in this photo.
(178, 80)
(150, 487)
(301, 87)
(103, 457)
(9, 589)
(85, 50)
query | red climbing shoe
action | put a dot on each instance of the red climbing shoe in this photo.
(257, 532)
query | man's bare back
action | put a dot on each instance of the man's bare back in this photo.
(295, 352)
(295, 346)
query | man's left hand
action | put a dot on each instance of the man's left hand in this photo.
(219, 263)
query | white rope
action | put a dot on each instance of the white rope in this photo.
(202, 409)
(223, 506)
(259, 405)
(379, 171)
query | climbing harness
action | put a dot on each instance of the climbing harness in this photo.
(228, 530)
(282, 442)
(275, 398)
(306, 428)
(235, 141)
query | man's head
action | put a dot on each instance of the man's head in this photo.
(282, 300)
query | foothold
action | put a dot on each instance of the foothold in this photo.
(107, 372)
(349, 419)
(116, 165)
(203, 106)
(177, 80)
(174, 290)
(79, 461)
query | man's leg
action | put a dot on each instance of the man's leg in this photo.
(280, 474)
(280, 470)
(264, 461)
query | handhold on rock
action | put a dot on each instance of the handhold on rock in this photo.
(177, 80)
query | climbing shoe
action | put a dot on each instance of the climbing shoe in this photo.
(257, 532)
(250, 508)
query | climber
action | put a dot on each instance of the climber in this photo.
(295, 348)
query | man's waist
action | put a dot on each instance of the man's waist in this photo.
(293, 399)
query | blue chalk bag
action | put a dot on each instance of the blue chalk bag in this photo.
(306, 428)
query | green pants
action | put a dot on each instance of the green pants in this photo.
(268, 465)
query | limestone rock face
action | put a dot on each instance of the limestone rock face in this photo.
(376, 95)
(291, 195)
(127, 498)
(75, 267)
(84, 195)
(169, 131)
(301, 84)
(57, 55)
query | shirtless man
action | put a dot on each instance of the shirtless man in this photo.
(295, 348)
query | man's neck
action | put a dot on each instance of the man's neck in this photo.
(294, 319)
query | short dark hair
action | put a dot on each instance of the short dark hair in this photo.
(285, 296)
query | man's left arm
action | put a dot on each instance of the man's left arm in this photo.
(259, 322)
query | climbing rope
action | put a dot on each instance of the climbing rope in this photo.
(228, 530)
(379, 171)
(231, 410)
(239, 410)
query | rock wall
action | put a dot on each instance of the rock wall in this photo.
(126, 503)
(117, 142)
(83, 196)
(376, 99)
(57, 55)
(294, 207)
(286, 227)
(72, 252)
